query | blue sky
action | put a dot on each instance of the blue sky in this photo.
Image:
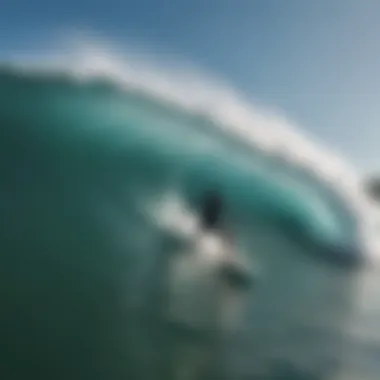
(316, 60)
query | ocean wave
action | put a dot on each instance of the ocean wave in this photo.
(174, 105)
(103, 161)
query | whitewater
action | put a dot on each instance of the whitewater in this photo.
(104, 158)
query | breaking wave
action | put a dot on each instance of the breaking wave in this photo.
(104, 157)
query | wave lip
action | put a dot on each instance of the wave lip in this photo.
(191, 95)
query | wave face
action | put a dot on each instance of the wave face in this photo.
(98, 174)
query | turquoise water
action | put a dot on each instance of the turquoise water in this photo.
(85, 168)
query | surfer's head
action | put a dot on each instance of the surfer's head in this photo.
(211, 209)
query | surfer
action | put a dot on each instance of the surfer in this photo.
(205, 293)
(211, 210)
(232, 274)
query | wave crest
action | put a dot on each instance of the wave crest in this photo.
(258, 131)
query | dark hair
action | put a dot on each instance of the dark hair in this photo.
(211, 209)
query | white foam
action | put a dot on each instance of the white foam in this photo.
(171, 214)
(86, 58)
